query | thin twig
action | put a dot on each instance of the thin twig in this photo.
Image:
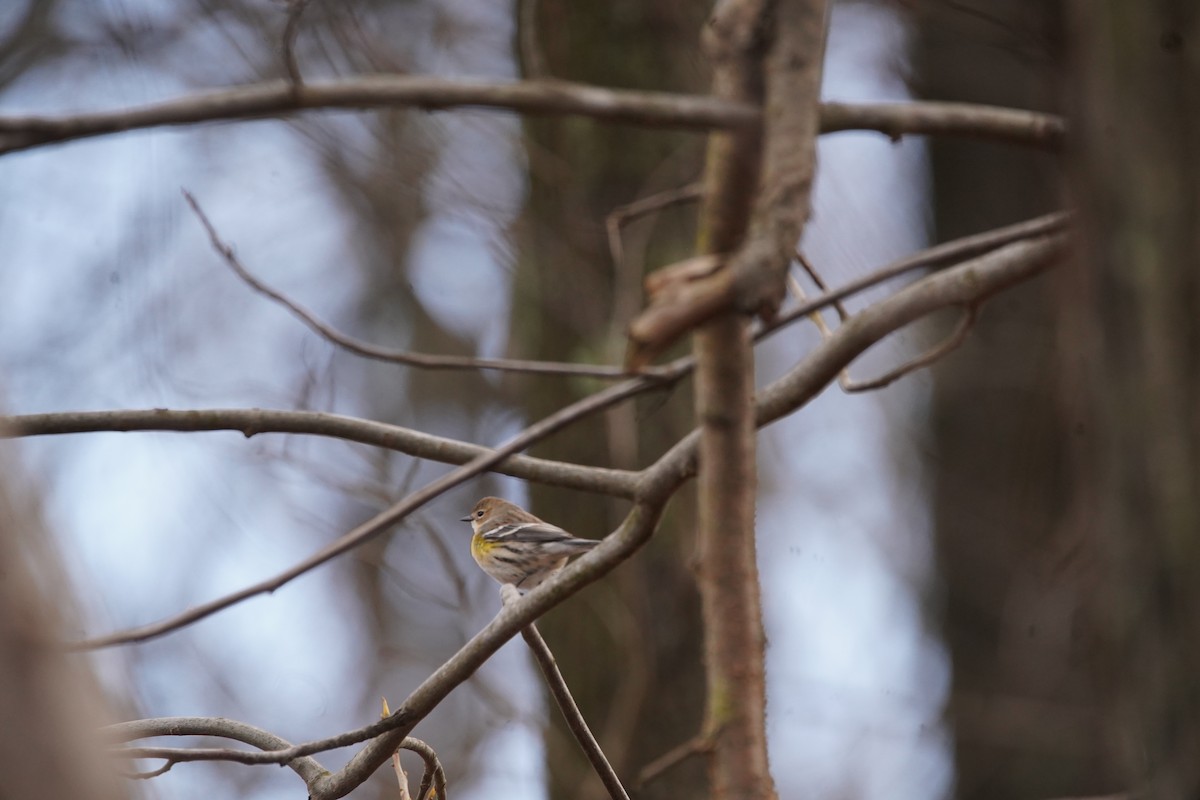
(654, 109)
(963, 284)
(151, 773)
(931, 118)
(933, 354)
(390, 355)
(933, 257)
(434, 777)
(278, 98)
(295, 9)
(305, 766)
(533, 61)
(625, 281)
(700, 743)
(570, 711)
(252, 422)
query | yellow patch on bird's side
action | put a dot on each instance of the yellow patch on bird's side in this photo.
(481, 546)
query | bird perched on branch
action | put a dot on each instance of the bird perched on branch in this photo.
(515, 547)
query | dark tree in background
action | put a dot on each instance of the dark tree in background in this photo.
(571, 302)
(1136, 304)
(1023, 709)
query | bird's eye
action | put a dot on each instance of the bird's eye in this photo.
(479, 513)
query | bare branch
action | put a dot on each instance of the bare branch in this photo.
(571, 713)
(434, 777)
(936, 256)
(964, 284)
(304, 766)
(698, 744)
(654, 109)
(942, 349)
(255, 421)
(151, 773)
(626, 282)
(938, 351)
(382, 521)
(390, 355)
(295, 9)
(281, 98)
(1008, 125)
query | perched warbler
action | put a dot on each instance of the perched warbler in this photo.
(517, 548)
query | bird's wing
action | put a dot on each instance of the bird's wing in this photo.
(539, 532)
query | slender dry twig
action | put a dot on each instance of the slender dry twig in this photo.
(700, 743)
(938, 351)
(391, 355)
(252, 422)
(627, 282)
(150, 773)
(933, 354)
(278, 98)
(434, 777)
(295, 9)
(305, 766)
(656, 109)
(937, 256)
(570, 711)
(968, 283)
(529, 47)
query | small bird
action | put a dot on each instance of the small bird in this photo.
(515, 547)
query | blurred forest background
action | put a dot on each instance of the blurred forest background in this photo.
(942, 613)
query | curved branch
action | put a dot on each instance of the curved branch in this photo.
(966, 284)
(434, 777)
(937, 256)
(255, 421)
(388, 354)
(306, 767)
(655, 109)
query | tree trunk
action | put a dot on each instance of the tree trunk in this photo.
(1137, 302)
(629, 647)
(1013, 573)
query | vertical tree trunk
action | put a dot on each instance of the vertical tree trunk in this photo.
(1137, 176)
(630, 646)
(768, 54)
(1023, 709)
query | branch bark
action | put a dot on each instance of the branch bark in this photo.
(654, 109)
(252, 422)
(772, 177)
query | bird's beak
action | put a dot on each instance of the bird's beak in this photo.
(467, 518)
